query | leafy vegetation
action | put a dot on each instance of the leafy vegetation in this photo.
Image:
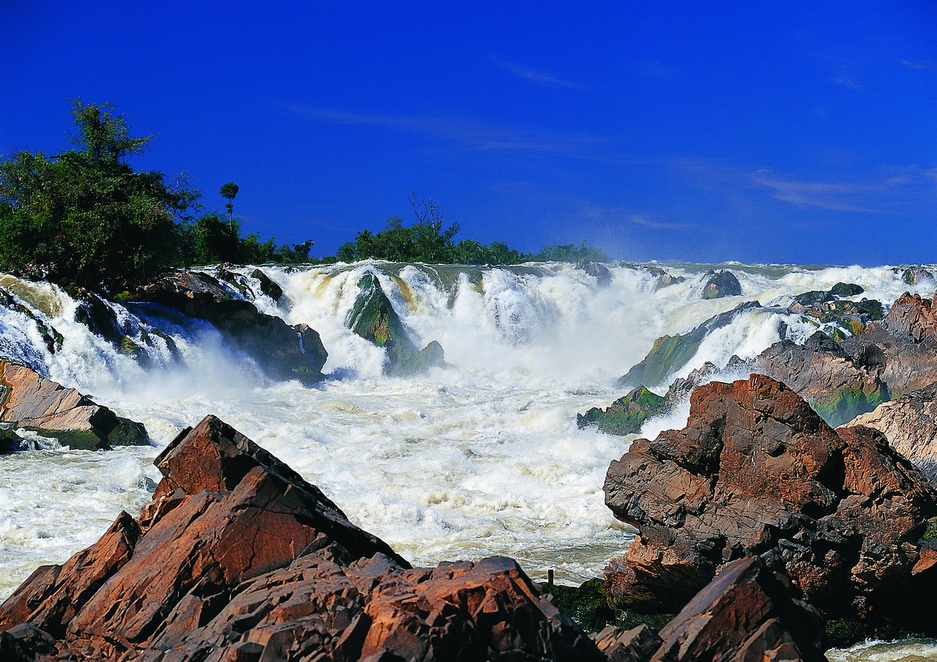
(85, 217)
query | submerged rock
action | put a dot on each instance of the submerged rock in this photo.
(756, 472)
(373, 318)
(721, 284)
(597, 270)
(281, 351)
(237, 557)
(33, 402)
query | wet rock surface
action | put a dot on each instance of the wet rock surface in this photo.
(281, 351)
(756, 472)
(373, 318)
(29, 400)
(238, 558)
(720, 284)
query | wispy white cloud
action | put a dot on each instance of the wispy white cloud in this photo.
(848, 82)
(920, 64)
(618, 215)
(883, 195)
(476, 135)
(537, 76)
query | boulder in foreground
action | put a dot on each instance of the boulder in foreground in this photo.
(756, 472)
(238, 558)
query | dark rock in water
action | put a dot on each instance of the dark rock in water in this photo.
(51, 338)
(910, 425)
(915, 275)
(598, 270)
(756, 472)
(373, 318)
(627, 414)
(670, 353)
(267, 286)
(846, 290)
(280, 350)
(238, 558)
(33, 402)
(721, 284)
(9, 440)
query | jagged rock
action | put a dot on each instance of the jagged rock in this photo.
(757, 472)
(267, 286)
(33, 402)
(635, 645)
(597, 270)
(670, 353)
(373, 318)
(721, 284)
(910, 425)
(280, 350)
(840, 318)
(824, 374)
(746, 612)
(915, 275)
(627, 414)
(238, 558)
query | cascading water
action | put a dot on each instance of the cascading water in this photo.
(480, 457)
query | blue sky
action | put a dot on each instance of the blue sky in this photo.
(798, 132)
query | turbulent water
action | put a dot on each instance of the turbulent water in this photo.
(477, 458)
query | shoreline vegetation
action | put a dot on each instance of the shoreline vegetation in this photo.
(86, 218)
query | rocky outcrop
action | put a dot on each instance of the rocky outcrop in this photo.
(30, 401)
(238, 558)
(281, 351)
(373, 318)
(597, 270)
(756, 472)
(670, 353)
(837, 386)
(721, 284)
(627, 414)
(910, 425)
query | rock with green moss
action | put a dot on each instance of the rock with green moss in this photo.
(627, 414)
(670, 353)
(721, 284)
(35, 403)
(373, 318)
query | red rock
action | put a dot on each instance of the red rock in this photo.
(745, 613)
(238, 558)
(756, 472)
(33, 402)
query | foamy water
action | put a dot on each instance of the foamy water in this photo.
(478, 458)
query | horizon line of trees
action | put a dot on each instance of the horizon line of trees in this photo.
(85, 217)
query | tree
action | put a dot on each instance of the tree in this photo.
(229, 191)
(85, 217)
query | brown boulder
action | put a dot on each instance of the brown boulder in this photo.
(910, 425)
(33, 402)
(756, 472)
(237, 557)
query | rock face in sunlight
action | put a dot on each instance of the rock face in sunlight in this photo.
(910, 425)
(373, 318)
(238, 557)
(33, 402)
(280, 350)
(757, 472)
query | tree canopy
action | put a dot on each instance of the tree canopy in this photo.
(85, 216)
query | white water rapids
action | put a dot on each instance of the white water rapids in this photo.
(478, 458)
